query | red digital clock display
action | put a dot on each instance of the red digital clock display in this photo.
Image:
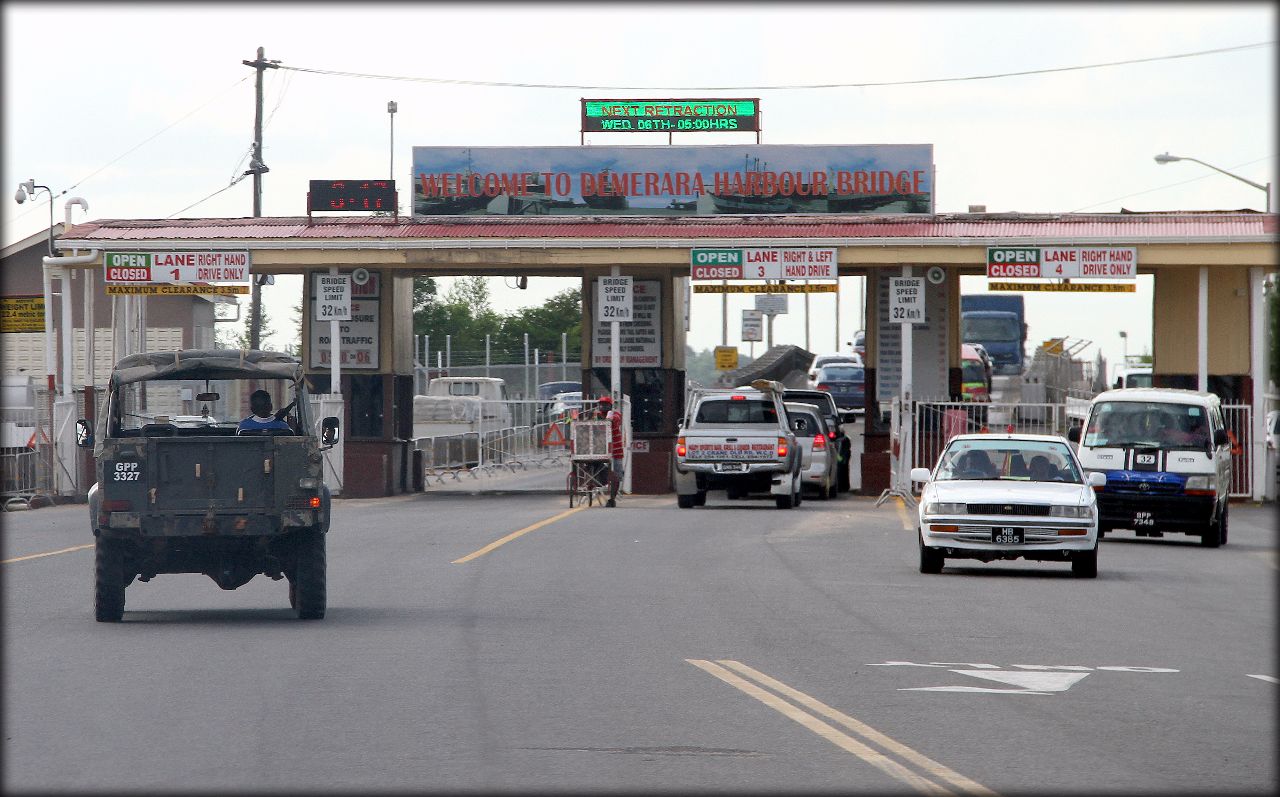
(351, 195)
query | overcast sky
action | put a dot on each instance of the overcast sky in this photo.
(144, 110)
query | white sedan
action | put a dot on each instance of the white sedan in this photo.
(1008, 496)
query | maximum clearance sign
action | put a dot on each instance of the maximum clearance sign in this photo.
(1062, 262)
(762, 263)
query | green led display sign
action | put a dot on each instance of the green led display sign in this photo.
(671, 116)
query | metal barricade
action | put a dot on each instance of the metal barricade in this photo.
(1238, 419)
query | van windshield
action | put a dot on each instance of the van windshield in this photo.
(1151, 424)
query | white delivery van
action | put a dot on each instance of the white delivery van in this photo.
(1167, 458)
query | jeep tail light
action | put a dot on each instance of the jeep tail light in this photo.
(315, 502)
(782, 446)
(832, 435)
(819, 443)
(116, 505)
(681, 449)
(738, 397)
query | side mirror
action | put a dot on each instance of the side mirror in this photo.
(329, 431)
(208, 396)
(1073, 434)
(1220, 438)
(1097, 478)
(84, 434)
(920, 474)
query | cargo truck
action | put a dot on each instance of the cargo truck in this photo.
(999, 323)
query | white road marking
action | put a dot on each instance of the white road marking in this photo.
(1041, 683)
(1269, 679)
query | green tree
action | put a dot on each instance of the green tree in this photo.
(231, 339)
(545, 324)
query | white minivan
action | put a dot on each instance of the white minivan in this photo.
(1167, 458)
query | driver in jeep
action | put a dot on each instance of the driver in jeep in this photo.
(262, 417)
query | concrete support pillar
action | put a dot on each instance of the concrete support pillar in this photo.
(1258, 378)
(1202, 332)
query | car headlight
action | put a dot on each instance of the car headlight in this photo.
(944, 508)
(1071, 511)
(1201, 483)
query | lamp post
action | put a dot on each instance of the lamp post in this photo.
(27, 191)
(392, 107)
(1167, 158)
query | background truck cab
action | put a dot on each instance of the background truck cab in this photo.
(1167, 457)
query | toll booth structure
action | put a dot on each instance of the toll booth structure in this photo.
(1209, 269)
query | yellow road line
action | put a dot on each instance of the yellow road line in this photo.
(498, 543)
(902, 513)
(47, 553)
(863, 730)
(833, 735)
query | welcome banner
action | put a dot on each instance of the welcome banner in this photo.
(673, 180)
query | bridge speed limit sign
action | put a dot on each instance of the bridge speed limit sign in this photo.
(906, 300)
(333, 297)
(614, 299)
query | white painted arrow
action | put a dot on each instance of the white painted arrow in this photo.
(1030, 683)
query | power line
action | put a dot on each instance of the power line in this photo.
(1170, 185)
(211, 196)
(783, 87)
(180, 119)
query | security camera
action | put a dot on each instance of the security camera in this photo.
(21, 196)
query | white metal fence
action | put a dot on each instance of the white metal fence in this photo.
(497, 436)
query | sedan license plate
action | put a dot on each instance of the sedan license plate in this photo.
(731, 467)
(1007, 535)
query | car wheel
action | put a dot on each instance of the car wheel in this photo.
(1223, 523)
(700, 498)
(931, 560)
(108, 581)
(1084, 564)
(309, 576)
(684, 501)
(843, 476)
(1212, 536)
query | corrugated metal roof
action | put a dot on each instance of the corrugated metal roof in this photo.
(946, 229)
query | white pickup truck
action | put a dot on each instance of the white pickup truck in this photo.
(739, 441)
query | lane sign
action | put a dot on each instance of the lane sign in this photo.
(783, 263)
(170, 267)
(1062, 262)
(614, 299)
(906, 300)
(333, 300)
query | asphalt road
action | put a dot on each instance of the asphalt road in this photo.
(733, 647)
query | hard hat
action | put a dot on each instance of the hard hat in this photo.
(606, 399)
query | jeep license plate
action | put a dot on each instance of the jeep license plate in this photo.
(1007, 535)
(731, 467)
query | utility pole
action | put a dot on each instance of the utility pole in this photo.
(257, 168)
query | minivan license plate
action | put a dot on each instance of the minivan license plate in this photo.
(1005, 535)
(731, 467)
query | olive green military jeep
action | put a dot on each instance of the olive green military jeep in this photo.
(181, 489)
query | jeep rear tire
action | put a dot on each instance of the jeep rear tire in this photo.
(309, 586)
(685, 501)
(108, 581)
(1213, 535)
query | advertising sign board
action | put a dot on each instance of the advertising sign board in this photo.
(673, 180)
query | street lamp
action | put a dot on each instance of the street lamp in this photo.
(1124, 341)
(1167, 158)
(27, 191)
(391, 114)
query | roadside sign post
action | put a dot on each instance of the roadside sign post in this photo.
(906, 307)
(615, 302)
(333, 304)
(752, 328)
